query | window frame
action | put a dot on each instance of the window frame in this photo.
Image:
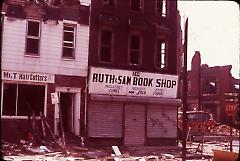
(141, 8)
(111, 45)
(140, 49)
(16, 103)
(158, 65)
(166, 7)
(73, 54)
(107, 3)
(33, 37)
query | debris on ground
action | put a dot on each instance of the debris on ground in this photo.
(225, 130)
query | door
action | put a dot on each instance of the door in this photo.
(69, 102)
(66, 105)
(134, 125)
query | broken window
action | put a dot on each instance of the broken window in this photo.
(22, 99)
(33, 37)
(160, 59)
(161, 7)
(68, 41)
(106, 44)
(136, 5)
(209, 85)
(135, 47)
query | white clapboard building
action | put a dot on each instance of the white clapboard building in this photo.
(44, 51)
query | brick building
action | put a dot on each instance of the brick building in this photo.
(207, 86)
(44, 50)
(132, 85)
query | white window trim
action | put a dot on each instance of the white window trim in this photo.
(165, 55)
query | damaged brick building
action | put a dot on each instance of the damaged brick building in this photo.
(207, 86)
(133, 78)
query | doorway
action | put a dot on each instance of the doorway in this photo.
(67, 110)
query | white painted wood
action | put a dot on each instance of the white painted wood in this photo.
(50, 59)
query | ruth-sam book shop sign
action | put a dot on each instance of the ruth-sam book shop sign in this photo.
(132, 83)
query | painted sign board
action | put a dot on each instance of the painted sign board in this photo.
(132, 83)
(28, 77)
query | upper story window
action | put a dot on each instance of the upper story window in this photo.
(136, 5)
(134, 49)
(68, 41)
(161, 7)
(161, 52)
(105, 52)
(108, 2)
(33, 37)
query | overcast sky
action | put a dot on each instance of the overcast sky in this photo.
(213, 29)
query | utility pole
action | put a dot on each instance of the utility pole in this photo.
(185, 91)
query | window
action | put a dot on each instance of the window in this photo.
(22, 99)
(106, 45)
(108, 2)
(161, 7)
(209, 86)
(160, 60)
(135, 47)
(33, 37)
(68, 41)
(136, 5)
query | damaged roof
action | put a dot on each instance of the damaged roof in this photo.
(79, 14)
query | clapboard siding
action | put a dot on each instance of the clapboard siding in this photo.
(50, 59)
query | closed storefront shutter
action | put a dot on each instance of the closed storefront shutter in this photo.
(105, 119)
(134, 124)
(161, 121)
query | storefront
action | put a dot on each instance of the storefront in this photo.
(132, 108)
(23, 95)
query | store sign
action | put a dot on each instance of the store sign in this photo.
(132, 83)
(29, 77)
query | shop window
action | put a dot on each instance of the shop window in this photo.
(161, 7)
(209, 86)
(33, 38)
(106, 46)
(135, 49)
(161, 59)
(23, 100)
(136, 5)
(68, 41)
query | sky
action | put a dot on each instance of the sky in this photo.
(213, 29)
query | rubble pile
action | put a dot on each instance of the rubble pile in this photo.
(225, 130)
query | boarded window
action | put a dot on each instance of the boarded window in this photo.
(23, 100)
(106, 43)
(135, 46)
(32, 38)
(68, 41)
(136, 5)
(160, 60)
